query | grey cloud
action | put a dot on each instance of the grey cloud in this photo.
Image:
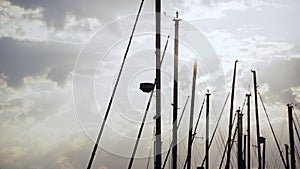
(19, 59)
(281, 75)
(274, 22)
(54, 11)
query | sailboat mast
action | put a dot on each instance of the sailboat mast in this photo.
(248, 133)
(263, 141)
(230, 118)
(257, 120)
(175, 95)
(207, 132)
(244, 148)
(291, 132)
(240, 139)
(191, 118)
(158, 86)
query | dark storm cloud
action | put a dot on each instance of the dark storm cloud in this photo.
(54, 11)
(19, 59)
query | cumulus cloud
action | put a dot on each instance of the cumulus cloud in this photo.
(194, 9)
(25, 58)
(28, 24)
(296, 93)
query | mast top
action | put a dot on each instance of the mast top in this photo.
(195, 68)
(177, 17)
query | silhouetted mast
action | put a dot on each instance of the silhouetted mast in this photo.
(240, 139)
(195, 129)
(291, 132)
(227, 146)
(245, 149)
(262, 141)
(179, 122)
(191, 118)
(248, 133)
(215, 130)
(230, 117)
(207, 132)
(158, 85)
(175, 96)
(257, 119)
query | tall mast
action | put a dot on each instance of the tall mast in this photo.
(263, 141)
(175, 96)
(230, 118)
(244, 148)
(207, 132)
(158, 85)
(240, 139)
(248, 133)
(257, 119)
(191, 118)
(291, 132)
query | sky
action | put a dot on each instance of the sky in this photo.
(59, 61)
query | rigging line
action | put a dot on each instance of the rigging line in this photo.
(197, 153)
(169, 150)
(273, 155)
(297, 152)
(197, 123)
(179, 160)
(220, 166)
(146, 112)
(165, 48)
(296, 125)
(196, 126)
(140, 131)
(297, 120)
(215, 130)
(281, 133)
(219, 146)
(232, 138)
(183, 111)
(222, 137)
(115, 88)
(277, 143)
(244, 103)
(150, 152)
(296, 130)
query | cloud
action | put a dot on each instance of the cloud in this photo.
(29, 24)
(55, 11)
(250, 50)
(25, 58)
(195, 9)
(296, 93)
(38, 125)
(34, 102)
(39, 44)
